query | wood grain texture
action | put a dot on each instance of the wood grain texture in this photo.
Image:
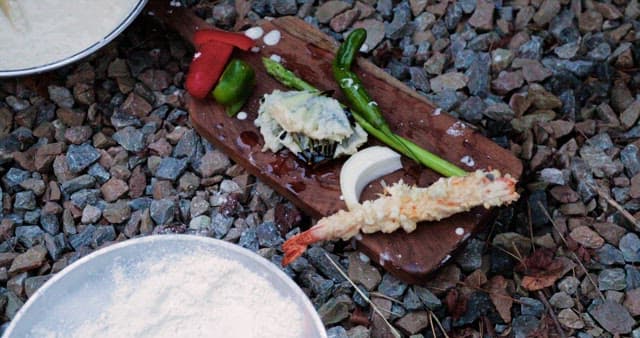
(309, 53)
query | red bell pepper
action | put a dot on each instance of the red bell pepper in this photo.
(206, 67)
(204, 36)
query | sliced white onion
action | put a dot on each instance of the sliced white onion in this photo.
(363, 167)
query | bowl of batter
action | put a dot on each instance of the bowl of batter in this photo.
(41, 35)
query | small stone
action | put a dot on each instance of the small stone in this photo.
(82, 239)
(567, 51)
(570, 319)
(329, 9)
(78, 134)
(630, 247)
(36, 185)
(130, 138)
(102, 235)
(162, 211)
(632, 302)
(117, 212)
(268, 235)
(630, 158)
(629, 116)
(609, 255)
(337, 332)
(31, 259)
(78, 183)
(400, 25)
(482, 17)
(25, 200)
(613, 317)
(362, 272)
(29, 235)
(413, 322)
(81, 157)
(612, 279)
(98, 171)
(391, 286)
(610, 231)
(524, 326)
(590, 21)
(50, 223)
(470, 258)
(170, 168)
(569, 285)
(14, 177)
(547, 11)
(335, 310)
(552, 176)
(452, 81)
(32, 284)
(136, 105)
(200, 222)
(507, 81)
(114, 189)
(91, 214)
(61, 96)
(587, 237)
(531, 307)
(561, 300)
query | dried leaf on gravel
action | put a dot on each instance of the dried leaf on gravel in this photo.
(500, 297)
(539, 261)
(540, 279)
(456, 303)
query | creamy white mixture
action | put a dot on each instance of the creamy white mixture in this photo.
(195, 296)
(45, 31)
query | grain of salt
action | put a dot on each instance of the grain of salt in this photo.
(242, 115)
(275, 57)
(272, 38)
(254, 33)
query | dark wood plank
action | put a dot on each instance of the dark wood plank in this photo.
(309, 53)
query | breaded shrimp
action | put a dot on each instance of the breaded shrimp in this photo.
(403, 206)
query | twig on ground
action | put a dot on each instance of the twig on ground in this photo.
(373, 306)
(544, 300)
(573, 254)
(617, 206)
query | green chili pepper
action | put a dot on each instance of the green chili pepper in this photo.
(235, 86)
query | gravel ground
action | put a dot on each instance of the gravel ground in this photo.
(103, 151)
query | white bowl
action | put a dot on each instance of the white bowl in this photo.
(76, 56)
(77, 294)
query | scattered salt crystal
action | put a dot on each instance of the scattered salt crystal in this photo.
(364, 258)
(175, 4)
(468, 161)
(445, 259)
(341, 198)
(384, 257)
(364, 48)
(196, 55)
(242, 115)
(254, 33)
(456, 129)
(373, 103)
(275, 57)
(272, 38)
(346, 82)
(459, 231)
(151, 13)
(436, 112)
(255, 49)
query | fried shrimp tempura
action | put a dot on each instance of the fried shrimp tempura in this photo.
(403, 206)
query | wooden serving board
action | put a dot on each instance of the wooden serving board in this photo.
(309, 53)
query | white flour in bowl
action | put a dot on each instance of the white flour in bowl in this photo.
(46, 31)
(192, 296)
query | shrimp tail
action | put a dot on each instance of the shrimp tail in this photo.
(295, 246)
